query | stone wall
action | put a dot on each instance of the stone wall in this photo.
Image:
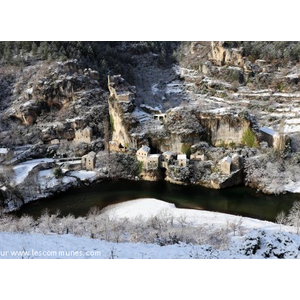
(83, 135)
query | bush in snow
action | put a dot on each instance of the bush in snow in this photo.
(162, 229)
(58, 173)
(293, 218)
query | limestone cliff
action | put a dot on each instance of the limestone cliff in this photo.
(121, 107)
(119, 114)
(225, 129)
(184, 127)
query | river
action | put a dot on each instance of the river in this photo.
(236, 200)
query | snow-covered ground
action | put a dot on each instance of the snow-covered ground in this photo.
(47, 179)
(261, 239)
(147, 208)
(22, 170)
(292, 187)
(84, 175)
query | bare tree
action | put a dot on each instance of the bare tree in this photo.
(293, 218)
(236, 225)
(281, 218)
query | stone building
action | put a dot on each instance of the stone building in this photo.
(143, 153)
(236, 162)
(83, 135)
(160, 117)
(165, 158)
(182, 160)
(152, 161)
(119, 89)
(88, 161)
(226, 165)
(197, 156)
(274, 139)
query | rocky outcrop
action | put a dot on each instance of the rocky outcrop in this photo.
(121, 106)
(119, 114)
(184, 127)
(181, 129)
(51, 88)
(36, 186)
(222, 55)
(51, 101)
(224, 129)
(220, 181)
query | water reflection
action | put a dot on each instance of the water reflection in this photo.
(238, 200)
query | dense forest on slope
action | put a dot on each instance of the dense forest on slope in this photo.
(114, 57)
(104, 57)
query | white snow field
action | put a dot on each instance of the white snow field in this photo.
(261, 239)
(22, 170)
(147, 208)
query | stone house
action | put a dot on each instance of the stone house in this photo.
(267, 135)
(143, 153)
(182, 160)
(6, 154)
(197, 156)
(165, 159)
(236, 162)
(88, 161)
(226, 165)
(152, 161)
(274, 139)
(83, 135)
(160, 117)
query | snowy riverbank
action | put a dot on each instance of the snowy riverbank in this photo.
(252, 238)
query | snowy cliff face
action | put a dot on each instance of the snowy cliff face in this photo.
(50, 101)
(203, 88)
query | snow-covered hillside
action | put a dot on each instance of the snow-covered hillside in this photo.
(257, 244)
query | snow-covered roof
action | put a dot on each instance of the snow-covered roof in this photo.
(90, 154)
(235, 155)
(154, 155)
(169, 153)
(4, 150)
(226, 159)
(145, 149)
(181, 156)
(267, 130)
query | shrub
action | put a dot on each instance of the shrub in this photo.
(223, 144)
(249, 138)
(140, 168)
(112, 123)
(58, 173)
(232, 145)
(186, 149)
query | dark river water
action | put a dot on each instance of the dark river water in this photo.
(237, 200)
